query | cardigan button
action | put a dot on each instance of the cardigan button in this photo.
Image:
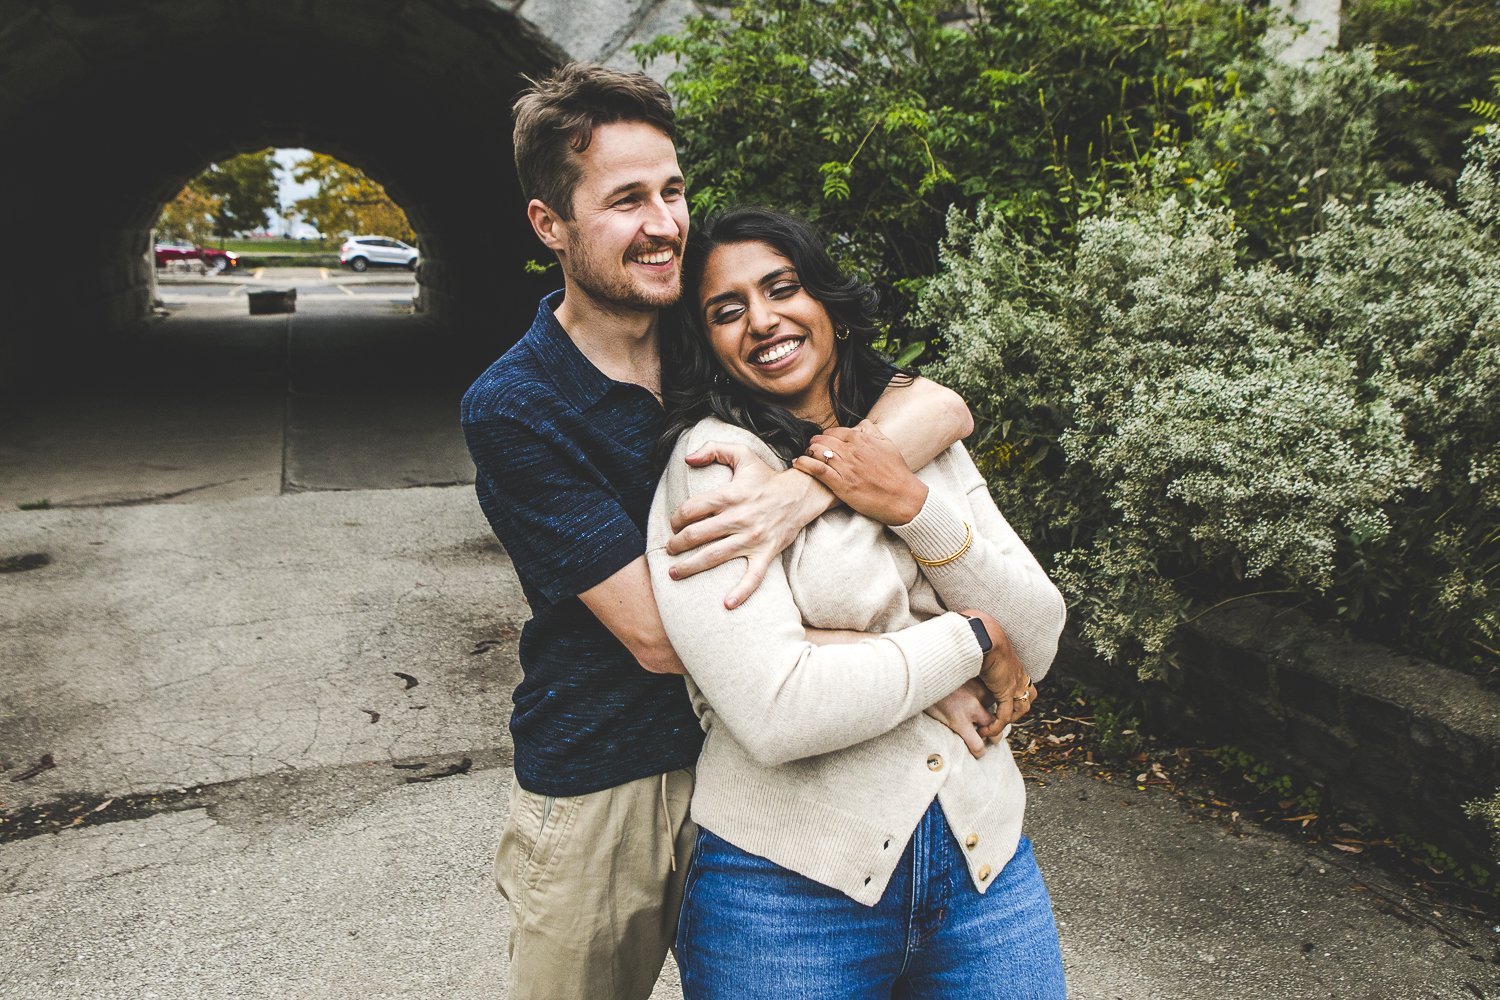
(935, 762)
(971, 841)
(984, 874)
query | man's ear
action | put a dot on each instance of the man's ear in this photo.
(549, 228)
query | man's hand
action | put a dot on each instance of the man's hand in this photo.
(965, 712)
(1002, 672)
(755, 516)
(864, 468)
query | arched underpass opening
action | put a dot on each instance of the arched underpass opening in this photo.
(107, 108)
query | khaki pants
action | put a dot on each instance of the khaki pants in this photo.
(592, 888)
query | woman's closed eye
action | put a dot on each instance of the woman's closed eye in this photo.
(783, 289)
(726, 313)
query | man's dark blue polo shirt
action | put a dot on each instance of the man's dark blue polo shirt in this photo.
(565, 476)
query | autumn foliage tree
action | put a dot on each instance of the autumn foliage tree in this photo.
(347, 200)
(189, 216)
(230, 196)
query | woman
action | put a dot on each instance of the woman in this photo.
(850, 845)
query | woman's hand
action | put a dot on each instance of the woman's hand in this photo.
(864, 468)
(965, 712)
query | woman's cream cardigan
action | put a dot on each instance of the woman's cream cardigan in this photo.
(819, 757)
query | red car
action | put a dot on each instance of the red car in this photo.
(215, 260)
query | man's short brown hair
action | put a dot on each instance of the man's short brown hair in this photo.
(556, 117)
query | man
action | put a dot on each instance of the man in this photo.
(561, 430)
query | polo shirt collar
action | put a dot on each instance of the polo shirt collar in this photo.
(575, 376)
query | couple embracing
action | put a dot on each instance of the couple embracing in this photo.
(700, 467)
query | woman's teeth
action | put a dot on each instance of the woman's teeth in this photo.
(776, 352)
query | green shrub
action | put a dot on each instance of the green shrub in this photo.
(1290, 140)
(1176, 427)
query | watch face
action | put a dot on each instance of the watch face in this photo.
(981, 633)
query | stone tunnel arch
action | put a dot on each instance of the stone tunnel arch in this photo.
(108, 106)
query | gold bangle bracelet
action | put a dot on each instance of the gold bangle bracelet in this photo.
(968, 540)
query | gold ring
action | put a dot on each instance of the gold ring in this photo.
(827, 454)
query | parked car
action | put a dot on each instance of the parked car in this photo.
(363, 252)
(181, 250)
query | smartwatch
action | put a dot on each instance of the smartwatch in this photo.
(982, 634)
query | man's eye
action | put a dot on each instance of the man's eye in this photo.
(672, 194)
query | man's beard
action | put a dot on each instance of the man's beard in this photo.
(615, 289)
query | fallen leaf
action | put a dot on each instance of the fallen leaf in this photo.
(1349, 848)
(411, 681)
(374, 715)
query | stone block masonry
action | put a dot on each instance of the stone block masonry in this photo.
(1382, 735)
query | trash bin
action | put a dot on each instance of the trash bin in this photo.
(273, 301)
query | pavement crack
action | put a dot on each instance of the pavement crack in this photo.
(272, 797)
(146, 498)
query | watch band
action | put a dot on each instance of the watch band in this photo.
(982, 634)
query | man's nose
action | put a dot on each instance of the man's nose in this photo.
(659, 220)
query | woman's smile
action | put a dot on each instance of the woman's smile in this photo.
(768, 358)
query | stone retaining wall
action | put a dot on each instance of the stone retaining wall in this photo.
(1383, 735)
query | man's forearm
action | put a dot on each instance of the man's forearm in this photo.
(923, 419)
(624, 604)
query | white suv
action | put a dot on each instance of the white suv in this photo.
(362, 252)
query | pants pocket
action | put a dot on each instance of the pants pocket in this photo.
(527, 841)
(554, 820)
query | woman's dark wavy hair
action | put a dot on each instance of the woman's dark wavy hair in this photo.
(695, 385)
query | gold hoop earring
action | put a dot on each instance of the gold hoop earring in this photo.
(841, 332)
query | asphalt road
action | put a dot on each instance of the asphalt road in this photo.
(394, 285)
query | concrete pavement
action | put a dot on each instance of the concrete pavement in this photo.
(213, 404)
(274, 686)
(229, 659)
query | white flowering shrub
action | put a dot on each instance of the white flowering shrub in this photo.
(1176, 428)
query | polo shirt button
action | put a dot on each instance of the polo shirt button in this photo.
(935, 762)
(984, 874)
(971, 841)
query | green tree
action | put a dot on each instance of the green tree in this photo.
(873, 116)
(245, 189)
(347, 200)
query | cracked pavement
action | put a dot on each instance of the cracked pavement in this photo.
(222, 659)
(267, 807)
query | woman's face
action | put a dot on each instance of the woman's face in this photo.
(767, 331)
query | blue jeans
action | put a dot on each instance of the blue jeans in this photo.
(750, 929)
